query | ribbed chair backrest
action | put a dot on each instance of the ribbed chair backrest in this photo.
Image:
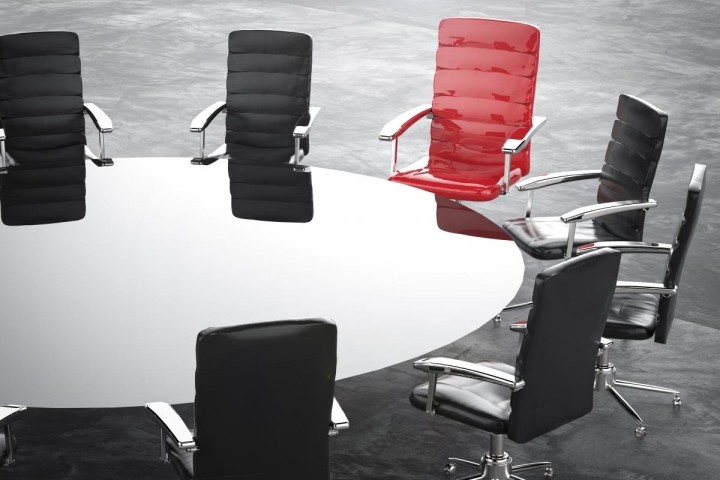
(631, 160)
(557, 356)
(263, 401)
(41, 106)
(484, 89)
(268, 92)
(681, 244)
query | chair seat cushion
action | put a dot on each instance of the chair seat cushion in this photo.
(476, 403)
(181, 460)
(632, 317)
(545, 238)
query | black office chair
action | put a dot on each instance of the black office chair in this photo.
(8, 445)
(268, 124)
(551, 381)
(623, 193)
(263, 403)
(42, 129)
(640, 310)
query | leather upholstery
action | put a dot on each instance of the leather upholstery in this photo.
(264, 395)
(545, 238)
(631, 160)
(556, 359)
(268, 94)
(484, 90)
(41, 106)
(181, 460)
(273, 192)
(632, 317)
(3, 448)
(481, 405)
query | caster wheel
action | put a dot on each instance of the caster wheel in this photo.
(640, 432)
(450, 468)
(549, 472)
(497, 320)
(676, 401)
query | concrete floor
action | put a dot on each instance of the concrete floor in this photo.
(153, 65)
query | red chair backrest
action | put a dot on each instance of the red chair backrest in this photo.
(484, 90)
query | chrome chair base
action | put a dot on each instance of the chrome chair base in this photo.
(496, 464)
(605, 379)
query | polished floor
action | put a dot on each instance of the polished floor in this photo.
(153, 65)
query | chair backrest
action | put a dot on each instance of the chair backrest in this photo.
(557, 356)
(41, 106)
(484, 90)
(681, 244)
(263, 400)
(268, 92)
(631, 160)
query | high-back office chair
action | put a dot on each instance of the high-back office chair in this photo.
(267, 124)
(8, 445)
(42, 129)
(551, 381)
(482, 111)
(640, 310)
(623, 193)
(263, 403)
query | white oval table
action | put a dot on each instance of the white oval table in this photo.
(105, 311)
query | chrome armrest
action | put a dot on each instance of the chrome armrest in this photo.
(170, 425)
(302, 131)
(627, 247)
(603, 209)
(8, 414)
(517, 142)
(3, 161)
(204, 118)
(104, 125)
(599, 210)
(462, 368)
(533, 183)
(397, 126)
(199, 124)
(338, 419)
(644, 287)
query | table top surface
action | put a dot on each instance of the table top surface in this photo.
(105, 311)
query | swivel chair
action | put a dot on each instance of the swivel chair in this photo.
(642, 310)
(8, 445)
(42, 129)
(623, 192)
(264, 404)
(482, 111)
(267, 124)
(551, 381)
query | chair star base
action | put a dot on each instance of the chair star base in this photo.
(605, 380)
(496, 464)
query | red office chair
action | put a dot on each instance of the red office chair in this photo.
(481, 113)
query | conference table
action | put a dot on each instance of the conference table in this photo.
(104, 312)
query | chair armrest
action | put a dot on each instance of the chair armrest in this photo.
(533, 183)
(644, 287)
(338, 419)
(203, 119)
(397, 126)
(10, 413)
(302, 131)
(627, 247)
(603, 209)
(520, 138)
(3, 160)
(461, 368)
(170, 422)
(99, 117)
